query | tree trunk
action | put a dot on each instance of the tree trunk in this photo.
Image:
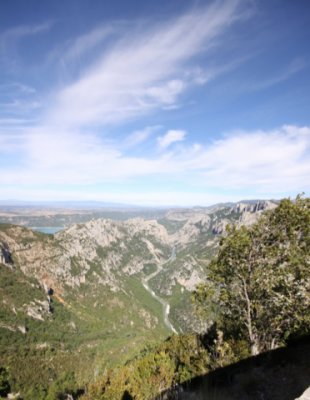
(254, 342)
(273, 344)
(254, 346)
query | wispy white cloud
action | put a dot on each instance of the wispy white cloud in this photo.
(167, 93)
(283, 75)
(144, 69)
(18, 99)
(141, 71)
(263, 161)
(170, 137)
(22, 31)
(258, 162)
(151, 198)
(87, 42)
(17, 106)
(13, 122)
(16, 88)
(10, 38)
(141, 136)
(262, 80)
(14, 43)
(72, 53)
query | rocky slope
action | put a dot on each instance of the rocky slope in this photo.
(104, 252)
(106, 287)
(195, 235)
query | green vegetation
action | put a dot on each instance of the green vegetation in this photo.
(91, 329)
(149, 268)
(176, 360)
(36, 352)
(255, 298)
(257, 293)
(258, 285)
(182, 314)
(171, 225)
(4, 382)
(83, 336)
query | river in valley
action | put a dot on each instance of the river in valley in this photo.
(165, 304)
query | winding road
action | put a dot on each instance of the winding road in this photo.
(165, 304)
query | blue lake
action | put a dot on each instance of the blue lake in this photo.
(47, 229)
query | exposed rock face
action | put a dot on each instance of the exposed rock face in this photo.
(189, 277)
(39, 309)
(22, 329)
(105, 252)
(252, 212)
(71, 256)
(199, 221)
(197, 240)
(219, 227)
(196, 225)
(103, 249)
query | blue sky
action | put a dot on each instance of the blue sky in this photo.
(154, 103)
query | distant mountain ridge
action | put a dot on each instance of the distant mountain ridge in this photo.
(106, 251)
(94, 204)
(111, 284)
(91, 204)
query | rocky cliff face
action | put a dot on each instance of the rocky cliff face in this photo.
(104, 252)
(95, 293)
(249, 213)
(71, 255)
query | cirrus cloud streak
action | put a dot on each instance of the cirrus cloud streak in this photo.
(261, 162)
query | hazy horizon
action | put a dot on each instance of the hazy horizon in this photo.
(94, 204)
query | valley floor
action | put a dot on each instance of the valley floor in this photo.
(165, 304)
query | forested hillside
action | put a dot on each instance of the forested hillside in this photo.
(92, 307)
(255, 299)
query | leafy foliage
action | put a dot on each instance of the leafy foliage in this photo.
(82, 339)
(257, 292)
(176, 360)
(4, 382)
(258, 286)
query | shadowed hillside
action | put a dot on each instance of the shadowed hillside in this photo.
(282, 374)
(255, 299)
